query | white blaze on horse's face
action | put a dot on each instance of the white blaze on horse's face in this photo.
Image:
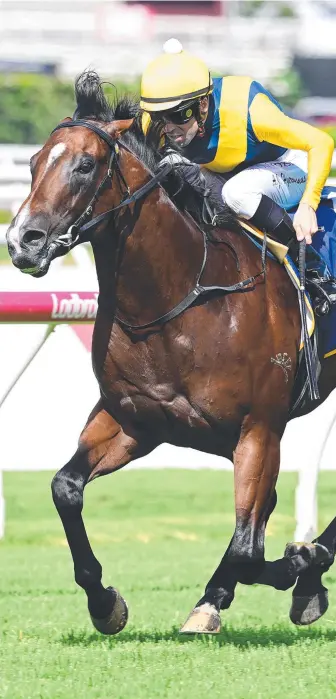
(13, 235)
(55, 153)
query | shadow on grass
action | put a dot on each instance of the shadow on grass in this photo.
(248, 637)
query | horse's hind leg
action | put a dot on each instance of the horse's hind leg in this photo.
(256, 464)
(310, 597)
(103, 448)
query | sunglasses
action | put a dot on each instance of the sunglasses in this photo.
(175, 117)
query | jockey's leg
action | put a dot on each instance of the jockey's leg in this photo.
(262, 193)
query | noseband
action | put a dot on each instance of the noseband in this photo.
(80, 230)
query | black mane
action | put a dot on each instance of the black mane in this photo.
(92, 103)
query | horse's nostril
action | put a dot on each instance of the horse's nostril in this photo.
(33, 236)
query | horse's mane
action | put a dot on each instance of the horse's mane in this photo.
(92, 103)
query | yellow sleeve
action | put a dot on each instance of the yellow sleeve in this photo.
(270, 124)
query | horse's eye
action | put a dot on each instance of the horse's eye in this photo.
(86, 166)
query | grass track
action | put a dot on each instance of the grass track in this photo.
(158, 536)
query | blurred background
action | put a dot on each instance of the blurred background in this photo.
(158, 534)
(289, 46)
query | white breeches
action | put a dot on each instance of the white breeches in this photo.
(283, 180)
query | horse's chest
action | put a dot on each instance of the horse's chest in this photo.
(143, 382)
(164, 388)
(157, 408)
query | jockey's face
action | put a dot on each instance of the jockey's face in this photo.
(182, 134)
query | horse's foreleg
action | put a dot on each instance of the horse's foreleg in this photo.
(256, 464)
(103, 448)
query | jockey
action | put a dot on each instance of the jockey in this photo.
(263, 162)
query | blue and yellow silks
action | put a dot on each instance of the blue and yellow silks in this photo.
(246, 125)
(230, 142)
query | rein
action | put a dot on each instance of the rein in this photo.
(79, 230)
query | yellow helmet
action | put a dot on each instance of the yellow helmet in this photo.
(173, 77)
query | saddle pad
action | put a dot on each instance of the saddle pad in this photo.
(280, 253)
(277, 249)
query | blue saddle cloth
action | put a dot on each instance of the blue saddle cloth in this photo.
(324, 244)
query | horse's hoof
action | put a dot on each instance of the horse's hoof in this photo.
(306, 610)
(116, 620)
(203, 619)
(315, 554)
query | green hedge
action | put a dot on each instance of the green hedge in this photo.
(31, 105)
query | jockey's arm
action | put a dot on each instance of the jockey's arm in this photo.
(272, 125)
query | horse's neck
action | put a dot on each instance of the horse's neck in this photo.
(159, 262)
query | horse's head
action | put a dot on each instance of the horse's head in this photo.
(66, 174)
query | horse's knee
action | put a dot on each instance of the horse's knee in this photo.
(67, 491)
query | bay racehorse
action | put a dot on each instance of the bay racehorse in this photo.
(173, 364)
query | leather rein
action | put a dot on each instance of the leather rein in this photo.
(81, 229)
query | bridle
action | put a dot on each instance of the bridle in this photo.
(80, 230)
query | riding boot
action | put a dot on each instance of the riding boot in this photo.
(278, 224)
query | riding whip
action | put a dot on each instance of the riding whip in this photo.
(309, 357)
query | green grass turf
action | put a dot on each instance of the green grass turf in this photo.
(159, 536)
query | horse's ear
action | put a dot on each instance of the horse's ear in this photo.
(116, 128)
